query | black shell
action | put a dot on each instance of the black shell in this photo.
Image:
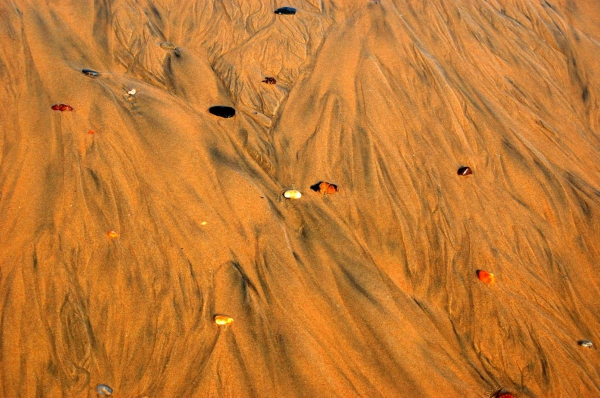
(90, 72)
(285, 11)
(222, 111)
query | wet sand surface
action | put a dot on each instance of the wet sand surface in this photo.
(132, 212)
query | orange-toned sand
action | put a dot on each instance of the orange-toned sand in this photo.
(369, 292)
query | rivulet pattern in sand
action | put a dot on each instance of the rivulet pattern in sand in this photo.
(134, 221)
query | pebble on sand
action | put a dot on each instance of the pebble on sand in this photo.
(91, 132)
(222, 111)
(62, 107)
(585, 343)
(223, 320)
(325, 188)
(90, 73)
(504, 394)
(103, 389)
(486, 277)
(285, 11)
(292, 194)
(270, 80)
(113, 234)
(464, 171)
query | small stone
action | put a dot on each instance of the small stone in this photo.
(585, 343)
(113, 234)
(103, 389)
(222, 111)
(292, 194)
(285, 11)
(486, 277)
(504, 394)
(464, 171)
(223, 320)
(325, 188)
(62, 107)
(90, 73)
(270, 80)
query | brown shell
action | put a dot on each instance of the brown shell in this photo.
(464, 171)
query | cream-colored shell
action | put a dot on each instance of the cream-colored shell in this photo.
(292, 194)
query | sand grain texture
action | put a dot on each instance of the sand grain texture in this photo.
(372, 291)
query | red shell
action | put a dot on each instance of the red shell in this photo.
(505, 395)
(62, 107)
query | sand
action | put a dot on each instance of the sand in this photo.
(365, 292)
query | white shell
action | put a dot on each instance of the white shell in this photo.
(292, 194)
(132, 91)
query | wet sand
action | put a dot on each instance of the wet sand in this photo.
(131, 220)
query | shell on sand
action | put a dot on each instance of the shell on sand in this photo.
(292, 194)
(486, 277)
(223, 320)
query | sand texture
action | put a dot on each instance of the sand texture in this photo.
(369, 289)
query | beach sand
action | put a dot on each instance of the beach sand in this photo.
(129, 222)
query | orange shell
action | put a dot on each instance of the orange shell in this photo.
(113, 234)
(91, 132)
(326, 188)
(485, 277)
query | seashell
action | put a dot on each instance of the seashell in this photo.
(585, 343)
(222, 111)
(223, 320)
(113, 234)
(91, 132)
(132, 92)
(103, 389)
(292, 194)
(62, 107)
(285, 11)
(486, 277)
(464, 171)
(90, 73)
(504, 394)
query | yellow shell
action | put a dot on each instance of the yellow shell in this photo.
(113, 234)
(292, 194)
(222, 320)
